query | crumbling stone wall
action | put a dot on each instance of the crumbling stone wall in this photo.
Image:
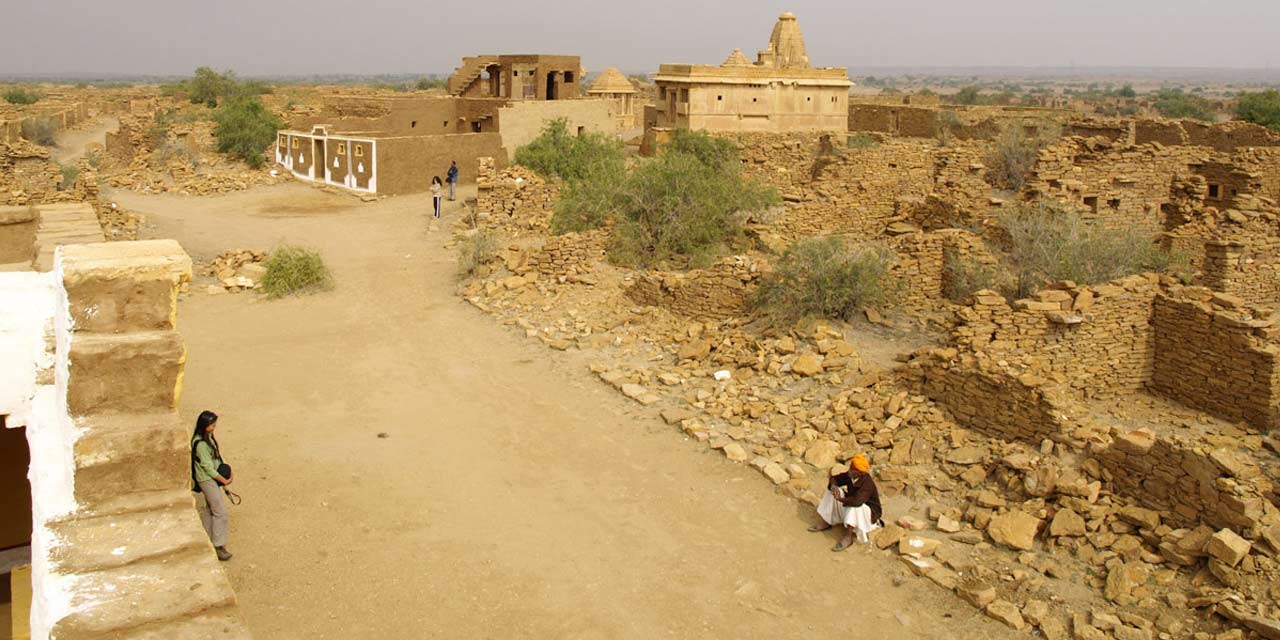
(919, 273)
(719, 292)
(1094, 340)
(1215, 354)
(988, 399)
(514, 196)
(1246, 267)
(830, 188)
(1118, 187)
(571, 254)
(1189, 478)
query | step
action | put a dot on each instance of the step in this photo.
(118, 287)
(122, 504)
(106, 542)
(217, 624)
(125, 453)
(124, 373)
(156, 592)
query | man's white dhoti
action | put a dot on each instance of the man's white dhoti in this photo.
(857, 518)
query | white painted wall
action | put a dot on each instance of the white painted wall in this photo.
(33, 392)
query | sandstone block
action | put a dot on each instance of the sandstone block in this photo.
(1066, 523)
(1228, 547)
(1015, 529)
(1006, 612)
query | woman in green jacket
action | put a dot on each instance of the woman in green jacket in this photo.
(206, 473)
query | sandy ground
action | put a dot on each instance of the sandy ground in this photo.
(514, 495)
(71, 144)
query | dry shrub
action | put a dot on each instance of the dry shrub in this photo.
(824, 278)
(1047, 244)
(475, 251)
(963, 276)
(295, 270)
(41, 131)
(1015, 151)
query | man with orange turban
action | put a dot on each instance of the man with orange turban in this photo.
(853, 501)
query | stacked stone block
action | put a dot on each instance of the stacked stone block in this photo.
(142, 563)
(1214, 354)
(514, 197)
(571, 254)
(719, 292)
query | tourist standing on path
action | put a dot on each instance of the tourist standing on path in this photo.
(435, 194)
(453, 180)
(209, 475)
(851, 500)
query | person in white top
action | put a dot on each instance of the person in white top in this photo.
(436, 187)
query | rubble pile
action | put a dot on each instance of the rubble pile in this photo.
(236, 270)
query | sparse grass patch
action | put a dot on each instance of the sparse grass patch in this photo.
(823, 278)
(862, 141)
(41, 131)
(295, 270)
(19, 95)
(475, 251)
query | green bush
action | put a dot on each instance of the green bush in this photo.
(679, 209)
(1015, 151)
(1173, 103)
(555, 153)
(823, 278)
(69, 174)
(1046, 244)
(966, 95)
(1260, 108)
(295, 270)
(244, 128)
(41, 131)
(476, 250)
(717, 153)
(21, 96)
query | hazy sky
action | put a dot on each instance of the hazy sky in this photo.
(405, 36)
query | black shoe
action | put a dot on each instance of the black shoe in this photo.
(223, 554)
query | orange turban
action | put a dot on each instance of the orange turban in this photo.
(860, 463)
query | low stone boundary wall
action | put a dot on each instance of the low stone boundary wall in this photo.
(719, 292)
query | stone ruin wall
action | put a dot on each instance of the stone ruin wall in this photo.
(1224, 136)
(1117, 187)
(1214, 354)
(830, 188)
(1018, 375)
(514, 196)
(1095, 341)
(571, 254)
(919, 273)
(1188, 478)
(719, 292)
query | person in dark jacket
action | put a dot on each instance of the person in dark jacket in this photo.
(452, 177)
(851, 500)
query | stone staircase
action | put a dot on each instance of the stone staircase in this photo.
(470, 71)
(61, 224)
(143, 566)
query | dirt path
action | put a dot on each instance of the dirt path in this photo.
(514, 497)
(71, 144)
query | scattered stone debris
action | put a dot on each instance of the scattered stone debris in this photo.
(236, 270)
